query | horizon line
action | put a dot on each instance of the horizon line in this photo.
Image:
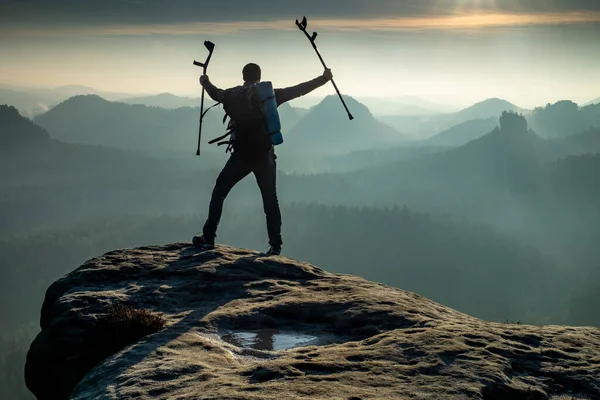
(314, 97)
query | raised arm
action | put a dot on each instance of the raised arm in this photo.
(292, 92)
(214, 92)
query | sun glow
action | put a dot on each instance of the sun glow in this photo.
(455, 19)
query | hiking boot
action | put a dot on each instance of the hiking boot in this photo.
(202, 241)
(274, 251)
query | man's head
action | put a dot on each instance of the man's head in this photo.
(251, 73)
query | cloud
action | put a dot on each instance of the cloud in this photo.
(462, 21)
(457, 21)
(145, 12)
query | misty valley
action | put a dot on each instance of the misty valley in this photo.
(493, 210)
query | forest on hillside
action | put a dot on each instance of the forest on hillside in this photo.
(503, 227)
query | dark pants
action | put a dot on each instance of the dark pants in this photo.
(237, 168)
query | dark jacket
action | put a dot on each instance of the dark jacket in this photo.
(281, 95)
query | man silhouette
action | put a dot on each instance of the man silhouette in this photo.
(260, 160)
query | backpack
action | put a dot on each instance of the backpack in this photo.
(246, 128)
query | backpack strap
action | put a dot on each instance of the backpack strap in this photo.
(221, 137)
(229, 144)
(205, 111)
(268, 98)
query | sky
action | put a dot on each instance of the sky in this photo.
(529, 52)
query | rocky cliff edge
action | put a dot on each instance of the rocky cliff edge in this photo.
(173, 322)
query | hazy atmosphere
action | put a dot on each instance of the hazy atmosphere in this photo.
(469, 174)
(451, 51)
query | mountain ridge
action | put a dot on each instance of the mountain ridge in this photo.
(18, 131)
(326, 129)
(462, 133)
(490, 107)
(595, 101)
(91, 119)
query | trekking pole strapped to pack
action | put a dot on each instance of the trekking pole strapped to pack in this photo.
(210, 46)
(302, 26)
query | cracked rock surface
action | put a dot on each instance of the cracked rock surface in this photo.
(373, 341)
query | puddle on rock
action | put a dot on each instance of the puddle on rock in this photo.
(269, 339)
